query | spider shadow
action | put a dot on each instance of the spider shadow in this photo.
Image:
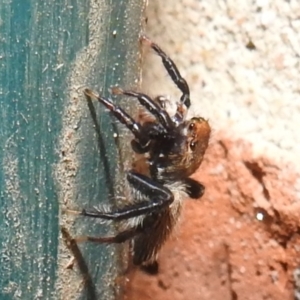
(102, 148)
(104, 154)
(82, 266)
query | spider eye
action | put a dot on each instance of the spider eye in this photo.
(193, 145)
(191, 126)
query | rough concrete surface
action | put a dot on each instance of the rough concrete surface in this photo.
(241, 59)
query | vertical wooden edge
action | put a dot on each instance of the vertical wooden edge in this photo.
(88, 282)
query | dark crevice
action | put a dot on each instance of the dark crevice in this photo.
(229, 274)
(258, 173)
(282, 231)
(234, 295)
(284, 266)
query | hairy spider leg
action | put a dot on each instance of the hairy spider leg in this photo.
(162, 197)
(117, 239)
(161, 115)
(159, 197)
(175, 76)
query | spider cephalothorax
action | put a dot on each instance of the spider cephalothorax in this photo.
(171, 148)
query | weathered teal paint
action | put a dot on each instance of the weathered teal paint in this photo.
(40, 43)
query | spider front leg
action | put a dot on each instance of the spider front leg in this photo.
(143, 134)
(142, 141)
(161, 115)
(174, 74)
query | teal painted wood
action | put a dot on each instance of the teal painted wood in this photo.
(52, 154)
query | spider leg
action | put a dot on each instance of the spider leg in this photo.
(117, 239)
(172, 71)
(181, 109)
(158, 195)
(142, 141)
(194, 188)
(161, 115)
(143, 134)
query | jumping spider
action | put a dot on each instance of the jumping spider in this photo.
(172, 149)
